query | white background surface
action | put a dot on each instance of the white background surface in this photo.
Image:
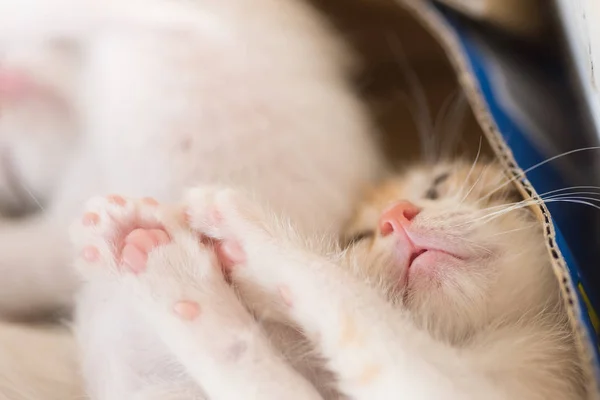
(581, 19)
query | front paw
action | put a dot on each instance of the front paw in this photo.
(228, 217)
(249, 244)
(146, 248)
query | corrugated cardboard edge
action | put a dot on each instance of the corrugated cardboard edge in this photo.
(526, 18)
(430, 18)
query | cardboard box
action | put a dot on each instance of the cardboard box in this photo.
(522, 102)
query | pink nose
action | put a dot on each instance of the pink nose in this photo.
(397, 217)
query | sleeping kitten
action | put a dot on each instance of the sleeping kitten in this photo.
(444, 292)
(148, 97)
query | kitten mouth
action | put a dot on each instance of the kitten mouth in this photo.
(420, 245)
(422, 255)
(415, 255)
(427, 264)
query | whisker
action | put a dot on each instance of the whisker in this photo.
(574, 201)
(471, 171)
(543, 197)
(591, 199)
(529, 226)
(558, 195)
(481, 174)
(575, 187)
(505, 208)
(565, 195)
(438, 123)
(524, 172)
(424, 121)
(453, 123)
(571, 188)
(516, 206)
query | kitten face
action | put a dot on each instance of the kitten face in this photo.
(437, 241)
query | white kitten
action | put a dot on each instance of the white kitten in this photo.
(148, 97)
(446, 292)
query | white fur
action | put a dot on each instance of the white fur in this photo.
(375, 346)
(150, 97)
(227, 352)
(159, 95)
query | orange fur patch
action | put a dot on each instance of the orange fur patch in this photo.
(369, 374)
(349, 333)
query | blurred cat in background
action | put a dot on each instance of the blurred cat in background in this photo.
(145, 98)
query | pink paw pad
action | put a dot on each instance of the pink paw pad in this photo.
(138, 244)
(90, 254)
(231, 254)
(187, 310)
(90, 219)
(150, 201)
(116, 199)
(214, 217)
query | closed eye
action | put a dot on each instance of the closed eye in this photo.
(358, 237)
(433, 193)
(441, 178)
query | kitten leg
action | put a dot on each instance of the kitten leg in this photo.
(374, 349)
(121, 356)
(175, 282)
